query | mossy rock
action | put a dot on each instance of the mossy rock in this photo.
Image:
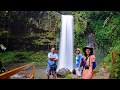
(63, 72)
(68, 71)
(68, 76)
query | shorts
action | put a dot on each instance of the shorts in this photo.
(79, 73)
(51, 72)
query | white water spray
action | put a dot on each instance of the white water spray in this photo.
(66, 43)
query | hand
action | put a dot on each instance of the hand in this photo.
(51, 58)
(55, 59)
(79, 69)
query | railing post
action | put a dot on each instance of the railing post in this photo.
(33, 70)
(104, 65)
(113, 57)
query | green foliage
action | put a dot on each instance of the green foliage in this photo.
(105, 35)
(68, 76)
(30, 25)
(40, 58)
(108, 61)
(9, 58)
(114, 69)
(107, 30)
(81, 19)
(14, 57)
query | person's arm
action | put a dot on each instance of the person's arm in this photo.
(56, 58)
(82, 59)
(51, 58)
(80, 63)
(93, 60)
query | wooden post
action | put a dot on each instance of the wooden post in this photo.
(113, 57)
(33, 70)
(104, 65)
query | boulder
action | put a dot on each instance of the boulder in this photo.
(62, 72)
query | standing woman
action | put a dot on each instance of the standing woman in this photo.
(89, 63)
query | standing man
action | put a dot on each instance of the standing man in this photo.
(52, 58)
(78, 63)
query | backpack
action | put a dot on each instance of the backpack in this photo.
(52, 64)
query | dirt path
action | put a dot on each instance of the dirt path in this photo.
(102, 74)
(41, 73)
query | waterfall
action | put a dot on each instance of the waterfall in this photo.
(66, 43)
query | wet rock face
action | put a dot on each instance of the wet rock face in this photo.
(62, 72)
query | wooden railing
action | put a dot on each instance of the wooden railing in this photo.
(7, 74)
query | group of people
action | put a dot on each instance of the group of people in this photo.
(84, 66)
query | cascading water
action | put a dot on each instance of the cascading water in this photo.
(66, 43)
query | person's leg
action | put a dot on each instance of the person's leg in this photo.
(76, 70)
(47, 76)
(92, 75)
(81, 69)
(78, 74)
(78, 77)
(54, 74)
(48, 72)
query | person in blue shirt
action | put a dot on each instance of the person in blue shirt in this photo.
(52, 58)
(78, 67)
